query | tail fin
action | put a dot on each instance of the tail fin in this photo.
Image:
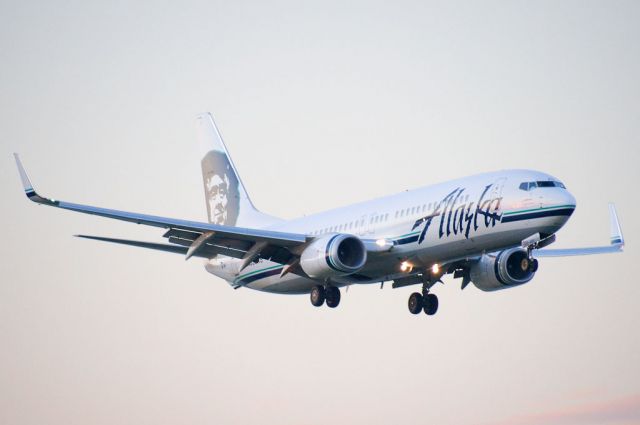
(227, 200)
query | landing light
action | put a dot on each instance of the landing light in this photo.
(381, 242)
(435, 269)
(406, 266)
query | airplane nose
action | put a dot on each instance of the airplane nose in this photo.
(568, 199)
(567, 203)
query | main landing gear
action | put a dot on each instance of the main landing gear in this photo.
(424, 301)
(321, 294)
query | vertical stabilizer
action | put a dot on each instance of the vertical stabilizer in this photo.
(227, 200)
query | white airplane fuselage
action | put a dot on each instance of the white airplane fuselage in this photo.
(429, 226)
(489, 229)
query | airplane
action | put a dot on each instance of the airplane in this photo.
(488, 229)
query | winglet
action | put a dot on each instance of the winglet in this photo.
(28, 187)
(616, 232)
(26, 183)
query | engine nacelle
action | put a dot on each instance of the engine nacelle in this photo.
(333, 255)
(503, 270)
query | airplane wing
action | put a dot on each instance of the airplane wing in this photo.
(616, 243)
(189, 237)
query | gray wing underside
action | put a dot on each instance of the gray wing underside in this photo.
(569, 252)
(140, 244)
(616, 242)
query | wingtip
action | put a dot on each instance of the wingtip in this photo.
(29, 190)
(24, 178)
(207, 116)
(616, 230)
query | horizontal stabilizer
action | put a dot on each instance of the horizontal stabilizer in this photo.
(149, 245)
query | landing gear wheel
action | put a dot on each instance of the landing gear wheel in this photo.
(415, 303)
(333, 296)
(317, 295)
(533, 266)
(430, 304)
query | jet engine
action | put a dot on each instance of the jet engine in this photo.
(333, 256)
(504, 269)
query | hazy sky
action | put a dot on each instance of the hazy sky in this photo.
(321, 104)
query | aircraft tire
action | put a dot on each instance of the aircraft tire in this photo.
(430, 304)
(332, 296)
(415, 303)
(317, 296)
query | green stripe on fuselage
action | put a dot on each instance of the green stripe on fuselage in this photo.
(538, 209)
(256, 272)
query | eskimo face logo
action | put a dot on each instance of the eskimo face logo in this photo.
(218, 189)
(221, 189)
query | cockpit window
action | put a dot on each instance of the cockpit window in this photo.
(525, 185)
(543, 183)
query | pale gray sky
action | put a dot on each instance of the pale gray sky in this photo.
(321, 104)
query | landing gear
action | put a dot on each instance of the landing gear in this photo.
(415, 303)
(423, 302)
(332, 296)
(319, 294)
(430, 304)
(533, 266)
